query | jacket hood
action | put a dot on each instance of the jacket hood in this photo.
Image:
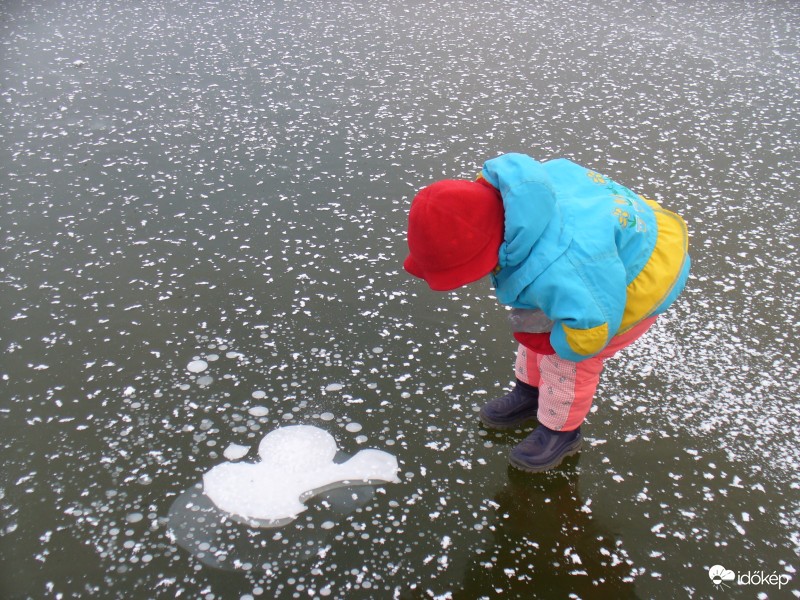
(532, 218)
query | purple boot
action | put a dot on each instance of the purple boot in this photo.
(544, 449)
(516, 407)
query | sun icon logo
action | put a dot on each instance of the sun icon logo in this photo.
(720, 576)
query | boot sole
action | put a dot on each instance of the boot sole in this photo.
(571, 451)
(506, 424)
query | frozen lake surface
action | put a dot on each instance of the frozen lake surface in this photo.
(203, 226)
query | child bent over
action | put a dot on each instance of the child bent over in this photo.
(585, 264)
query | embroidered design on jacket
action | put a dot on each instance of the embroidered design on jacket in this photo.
(626, 213)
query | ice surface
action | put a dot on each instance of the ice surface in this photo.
(201, 528)
(296, 462)
(196, 190)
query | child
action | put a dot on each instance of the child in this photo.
(585, 264)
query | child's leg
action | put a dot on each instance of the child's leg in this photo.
(526, 368)
(566, 388)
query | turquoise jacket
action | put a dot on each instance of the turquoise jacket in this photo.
(595, 257)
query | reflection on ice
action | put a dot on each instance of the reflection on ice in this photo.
(296, 462)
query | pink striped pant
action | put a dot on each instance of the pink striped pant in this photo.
(566, 388)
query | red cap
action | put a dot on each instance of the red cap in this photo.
(455, 229)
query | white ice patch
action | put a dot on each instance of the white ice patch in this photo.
(197, 366)
(258, 411)
(296, 462)
(235, 451)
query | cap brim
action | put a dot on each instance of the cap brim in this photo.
(445, 281)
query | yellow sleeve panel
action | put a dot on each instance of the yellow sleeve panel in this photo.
(587, 342)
